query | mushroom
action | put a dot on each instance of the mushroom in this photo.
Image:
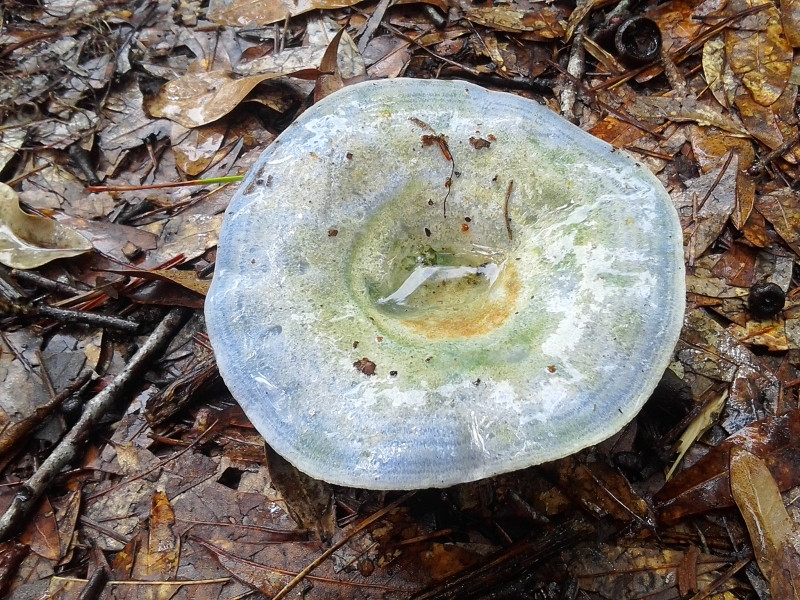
(423, 283)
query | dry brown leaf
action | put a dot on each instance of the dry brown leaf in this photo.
(782, 209)
(771, 125)
(771, 532)
(715, 68)
(196, 148)
(197, 99)
(41, 534)
(710, 146)
(29, 241)
(240, 13)
(790, 17)
(157, 560)
(709, 201)
(545, 22)
(690, 109)
(634, 571)
(758, 52)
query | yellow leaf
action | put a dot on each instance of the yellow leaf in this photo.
(758, 51)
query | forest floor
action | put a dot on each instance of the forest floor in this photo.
(128, 471)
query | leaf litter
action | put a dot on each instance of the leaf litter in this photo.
(175, 494)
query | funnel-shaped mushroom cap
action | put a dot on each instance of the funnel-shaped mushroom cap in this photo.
(377, 343)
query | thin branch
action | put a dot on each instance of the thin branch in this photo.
(68, 449)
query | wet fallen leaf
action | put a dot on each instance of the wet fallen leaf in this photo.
(28, 241)
(158, 559)
(310, 501)
(304, 61)
(755, 230)
(12, 136)
(771, 125)
(769, 334)
(689, 109)
(67, 518)
(708, 202)
(260, 577)
(706, 485)
(771, 530)
(11, 555)
(189, 235)
(619, 134)
(331, 78)
(790, 17)
(782, 209)
(708, 350)
(599, 489)
(718, 74)
(758, 52)
(582, 10)
(697, 428)
(710, 146)
(737, 266)
(125, 124)
(41, 534)
(680, 23)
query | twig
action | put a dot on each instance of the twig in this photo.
(373, 23)
(505, 208)
(321, 558)
(50, 285)
(575, 67)
(21, 309)
(716, 181)
(28, 495)
(760, 166)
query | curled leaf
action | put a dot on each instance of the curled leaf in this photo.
(28, 241)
